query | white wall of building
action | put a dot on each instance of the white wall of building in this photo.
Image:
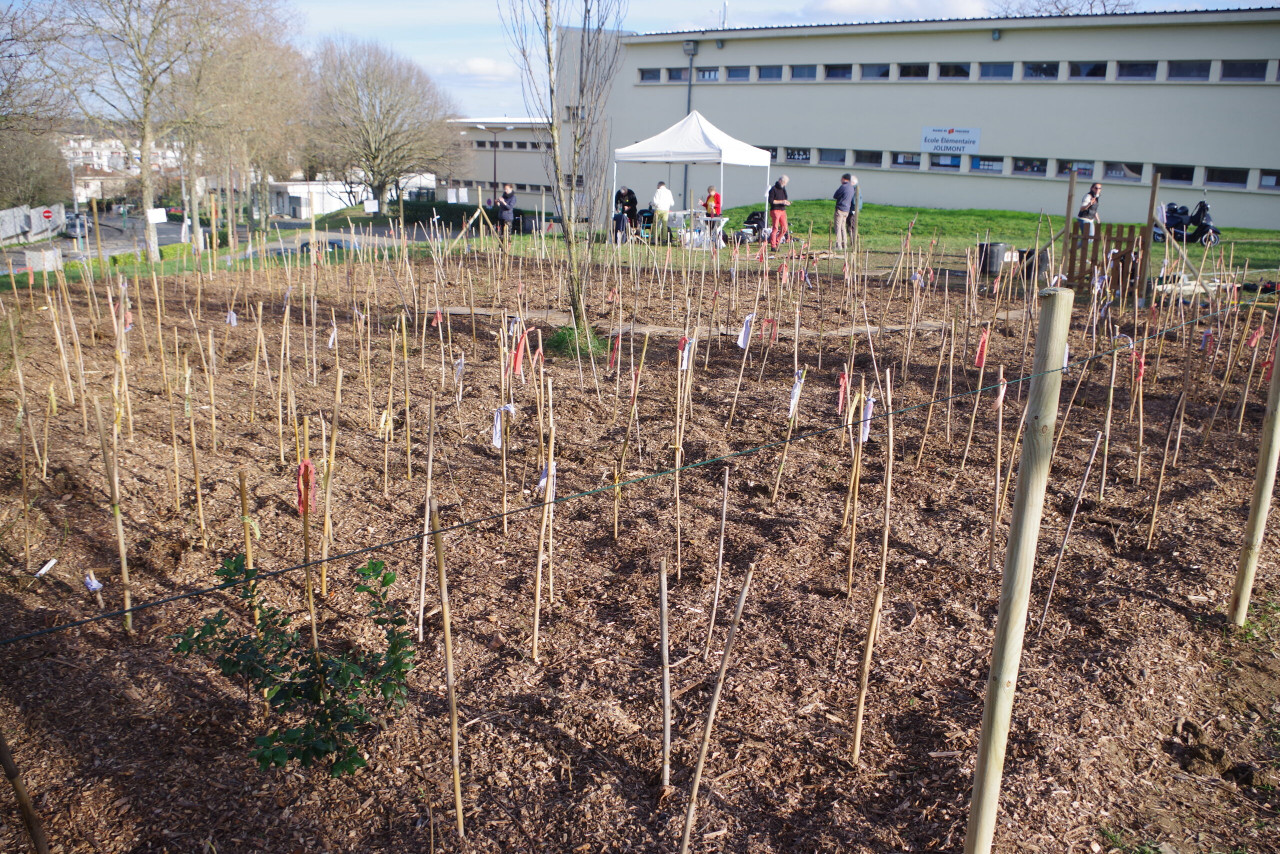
(1225, 130)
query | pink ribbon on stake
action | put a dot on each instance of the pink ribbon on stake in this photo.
(1255, 337)
(306, 487)
(435, 321)
(613, 351)
(980, 357)
(844, 391)
(517, 360)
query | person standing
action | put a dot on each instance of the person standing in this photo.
(778, 204)
(1088, 214)
(845, 196)
(661, 203)
(506, 211)
(711, 204)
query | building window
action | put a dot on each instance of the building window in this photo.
(1189, 69)
(769, 72)
(875, 70)
(508, 144)
(986, 163)
(868, 158)
(480, 143)
(1226, 177)
(1082, 168)
(772, 149)
(838, 72)
(1244, 69)
(1039, 71)
(1030, 166)
(1171, 174)
(804, 72)
(1116, 171)
(522, 146)
(798, 155)
(1135, 70)
(913, 71)
(650, 75)
(677, 75)
(996, 71)
(1269, 180)
(832, 156)
(944, 162)
(708, 75)
(572, 113)
(535, 145)
(738, 73)
(905, 160)
(520, 188)
(1087, 70)
(953, 71)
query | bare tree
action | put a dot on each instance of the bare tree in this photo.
(568, 52)
(32, 170)
(30, 100)
(1039, 8)
(378, 117)
(128, 53)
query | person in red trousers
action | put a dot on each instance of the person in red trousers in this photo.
(778, 203)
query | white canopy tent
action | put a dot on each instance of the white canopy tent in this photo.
(693, 139)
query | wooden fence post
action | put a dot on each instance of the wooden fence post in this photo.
(1264, 483)
(1028, 506)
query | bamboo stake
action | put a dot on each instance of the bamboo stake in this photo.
(1028, 507)
(666, 675)
(329, 471)
(29, 816)
(873, 624)
(1106, 430)
(1053, 579)
(109, 462)
(715, 595)
(995, 510)
(1263, 485)
(246, 523)
(544, 532)
(1164, 462)
(450, 682)
(786, 445)
(426, 512)
(195, 460)
(711, 712)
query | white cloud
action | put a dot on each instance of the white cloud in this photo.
(891, 10)
(478, 71)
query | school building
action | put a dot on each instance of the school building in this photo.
(976, 113)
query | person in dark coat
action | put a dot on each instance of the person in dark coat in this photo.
(778, 203)
(625, 202)
(506, 205)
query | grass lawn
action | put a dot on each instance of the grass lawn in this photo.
(881, 227)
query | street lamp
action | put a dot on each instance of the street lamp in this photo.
(494, 147)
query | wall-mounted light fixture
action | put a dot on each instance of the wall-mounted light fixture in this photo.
(995, 35)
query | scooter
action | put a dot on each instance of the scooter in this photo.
(1194, 227)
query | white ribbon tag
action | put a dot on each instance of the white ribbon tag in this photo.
(497, 423)
(684, 354)
(1000, 395)
(867, 409)
(457, 369)
(333, 337)
(744, 337)
(231, 319)
(795, 394)
(48, 566)
(1066, 358)
(92, 584)
(542, 481)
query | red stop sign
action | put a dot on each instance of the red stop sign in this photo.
(46, 213)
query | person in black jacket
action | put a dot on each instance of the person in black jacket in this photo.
(625, 202)
(778, 203)
(506, 205)
(846, 197)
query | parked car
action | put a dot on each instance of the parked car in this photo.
(331, 244)
(78, 225)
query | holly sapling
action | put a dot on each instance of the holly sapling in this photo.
(317, 704)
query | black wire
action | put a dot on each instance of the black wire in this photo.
(618, 486)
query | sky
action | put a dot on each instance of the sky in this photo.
(462, 45)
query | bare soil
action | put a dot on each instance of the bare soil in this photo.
(1142, 717)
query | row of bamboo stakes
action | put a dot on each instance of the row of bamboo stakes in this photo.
(788, 295)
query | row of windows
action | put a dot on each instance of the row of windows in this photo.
(1116, 171)
(509, 144)
(489, 185)
(1177, 70)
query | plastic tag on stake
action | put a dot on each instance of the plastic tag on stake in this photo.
(744, 337)
(795, 394)
(867, 409)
